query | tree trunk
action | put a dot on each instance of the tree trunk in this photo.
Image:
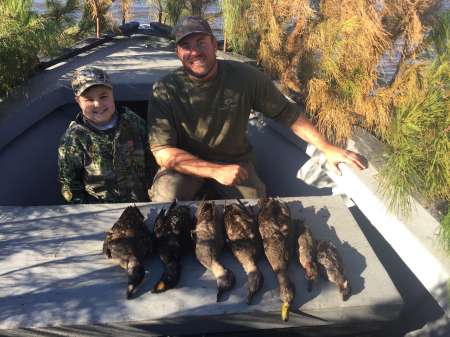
(196, 6)
(97, 19)
(224, 41)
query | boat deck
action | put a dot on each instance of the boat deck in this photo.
(53, 274)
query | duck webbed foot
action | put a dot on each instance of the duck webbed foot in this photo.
(224, 283)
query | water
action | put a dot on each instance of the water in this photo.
(143, 11)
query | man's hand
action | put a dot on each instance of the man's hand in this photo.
(303, 128)
(230, 175)
(186, 163)
(335, 155)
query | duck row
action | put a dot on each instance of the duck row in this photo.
(246, 233)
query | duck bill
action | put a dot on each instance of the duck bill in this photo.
(159, 287)
(285, 312)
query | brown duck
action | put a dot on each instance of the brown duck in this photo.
(276, 233)
(245, 243)
(172, 233)
(209, 241)
(307, 253)
(328, 257)
(128, 242)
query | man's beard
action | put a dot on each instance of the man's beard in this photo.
(203, 75)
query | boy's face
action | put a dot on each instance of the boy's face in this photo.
(97, 104)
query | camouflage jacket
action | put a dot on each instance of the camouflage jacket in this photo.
(114, 165)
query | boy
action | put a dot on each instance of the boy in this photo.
(104, 155)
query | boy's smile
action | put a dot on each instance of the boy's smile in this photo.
(97, 104)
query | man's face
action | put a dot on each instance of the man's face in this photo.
(197, 53)
(97, 104)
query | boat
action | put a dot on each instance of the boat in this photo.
(54, 279)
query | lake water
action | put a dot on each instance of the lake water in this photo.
(142, 12)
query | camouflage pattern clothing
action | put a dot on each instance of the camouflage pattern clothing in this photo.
(113, 165)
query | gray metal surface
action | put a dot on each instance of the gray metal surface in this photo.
(53, 274)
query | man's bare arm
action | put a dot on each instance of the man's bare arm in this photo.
(186, 163)
(303, 128)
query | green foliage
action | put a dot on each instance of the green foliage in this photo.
(62, 13)
(440, 35)
(95, 17)
(169, 11)
(418, 137)
(197, 7)
(239, 34)
(87, 22)
(445, 232)
(20, 34)
(174, 9)
(24, 37)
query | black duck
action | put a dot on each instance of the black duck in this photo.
(328, 257)
(172, 233)
(245, 243)
(209, 241)
(128, 242)
(276, 233)
(307, 253)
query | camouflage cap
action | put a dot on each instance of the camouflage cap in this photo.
(87, 77)
(190, 25)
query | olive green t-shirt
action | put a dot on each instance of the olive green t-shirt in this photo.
(210, 119)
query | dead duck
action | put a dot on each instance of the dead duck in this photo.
(307, 253)
(276, 233)
(209, 241)
(128, 242)
(172, 233)
(245, 243)
(328, 257)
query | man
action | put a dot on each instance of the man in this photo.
(198, 118)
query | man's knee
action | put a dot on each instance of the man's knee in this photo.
(169, 185)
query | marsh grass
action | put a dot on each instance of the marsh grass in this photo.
(418, 136)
